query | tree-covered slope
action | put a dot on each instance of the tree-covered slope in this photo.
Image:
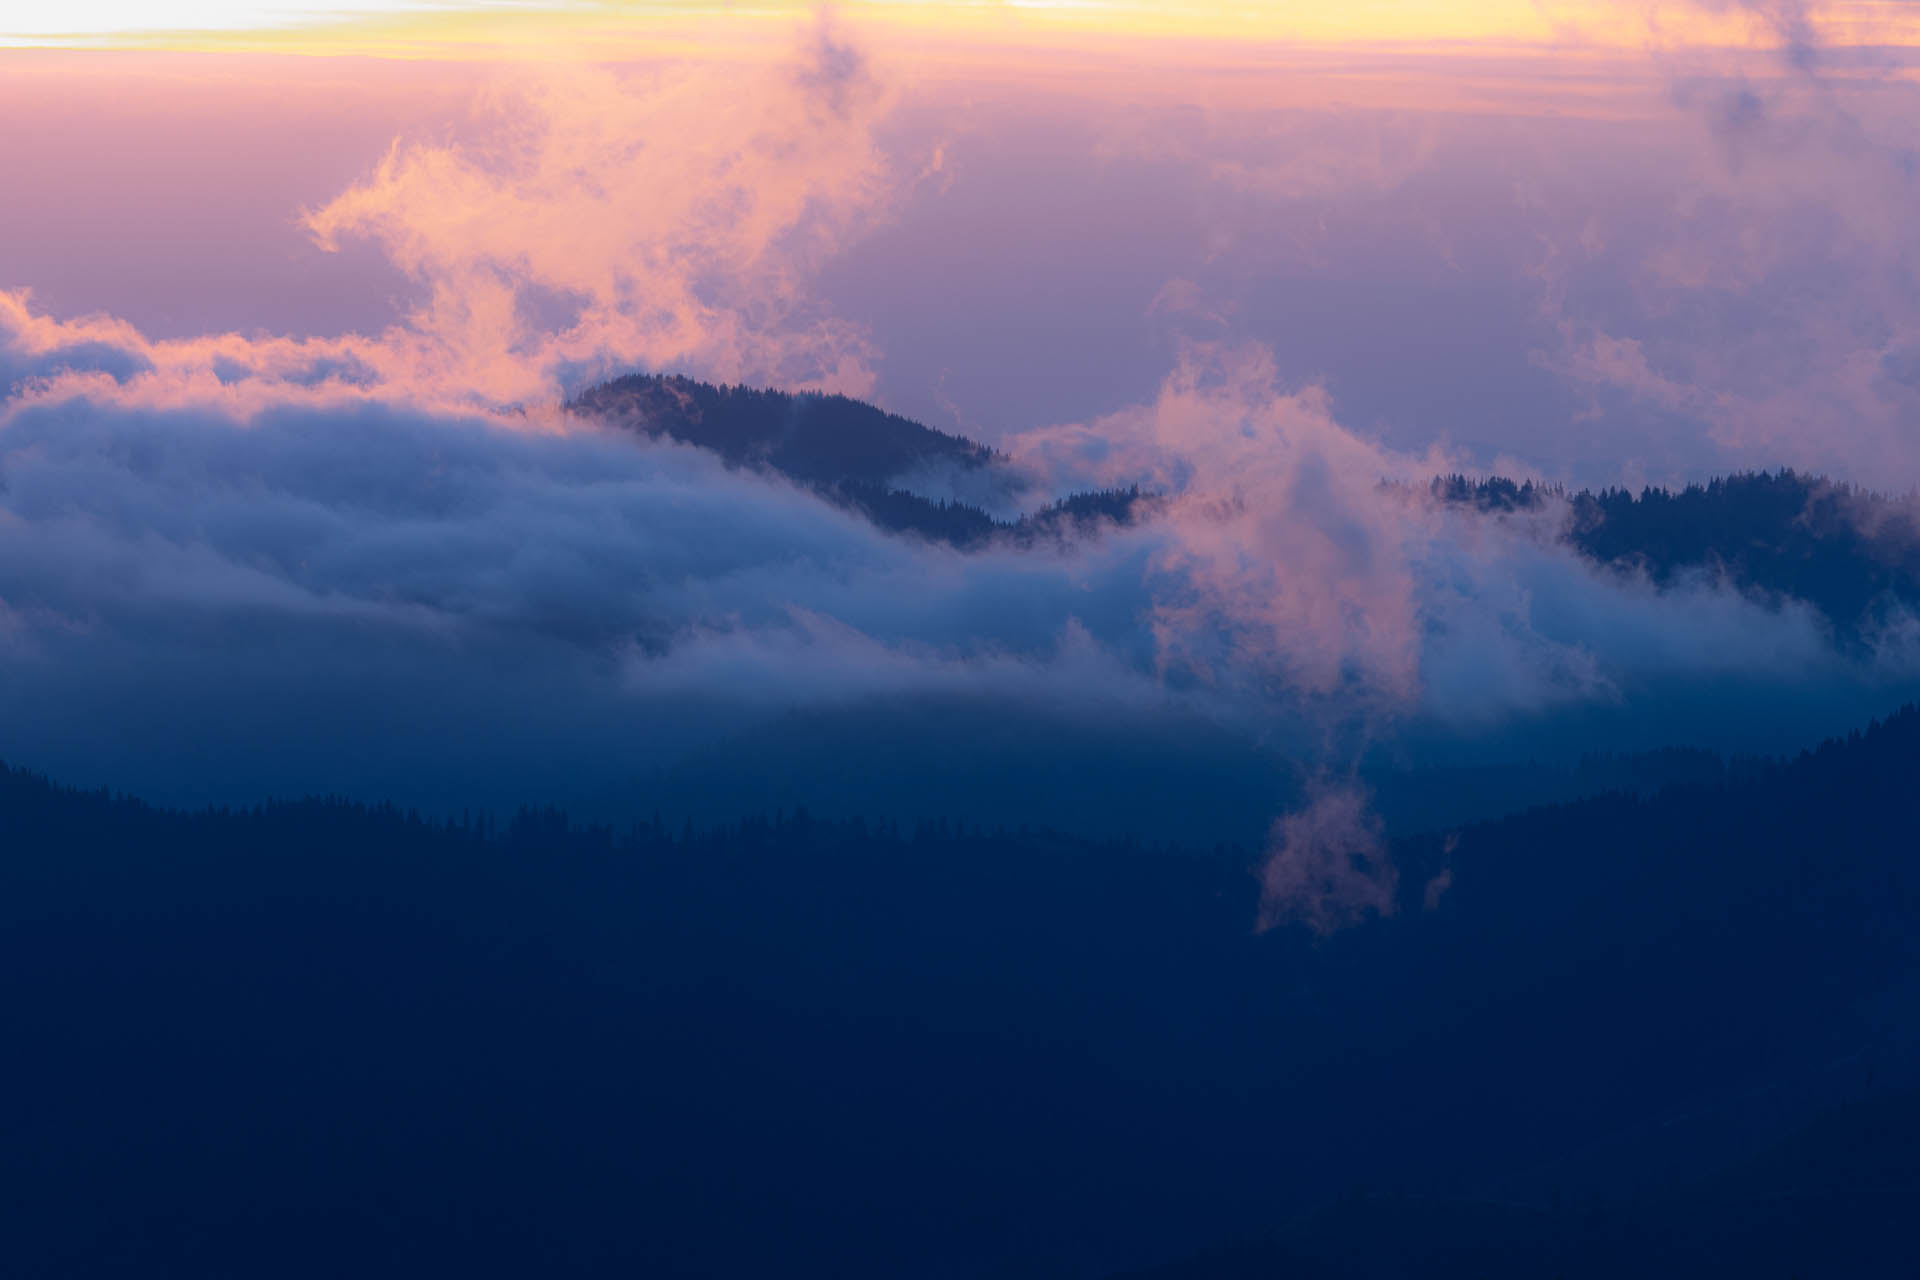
(850, 452)
(1851, 553)
(314, 1036)
(823, 439)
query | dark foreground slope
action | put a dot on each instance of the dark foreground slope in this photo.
(318, 1039)
(1839, 1197)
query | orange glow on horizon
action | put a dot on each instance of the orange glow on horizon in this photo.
(486, 29)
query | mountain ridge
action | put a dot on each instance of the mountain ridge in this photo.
(1777, 536)
(850, 452)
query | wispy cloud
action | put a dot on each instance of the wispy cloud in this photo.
(664, 216)
(398, 542)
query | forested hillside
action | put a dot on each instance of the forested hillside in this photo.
(1851, 553)
(260, 1041)
(825, 439)
(848, 451)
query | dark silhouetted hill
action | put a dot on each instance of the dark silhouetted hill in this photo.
(1851, 553)
(1111, 775)
(317, 1037)
(847, 450)
(968, 527)
(819, 439)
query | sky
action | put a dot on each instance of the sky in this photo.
(293, 294)
(1592, 242)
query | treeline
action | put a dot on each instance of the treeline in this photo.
(37, 812)
(968, 527)
(1851, 553)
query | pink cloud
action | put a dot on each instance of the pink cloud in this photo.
(1327, 866)
(660, 216)
(1285, 564)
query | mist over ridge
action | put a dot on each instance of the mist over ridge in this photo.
(627, 604)
(1164, 640)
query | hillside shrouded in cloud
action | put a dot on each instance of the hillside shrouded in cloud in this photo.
(453, 603)
(395, 535)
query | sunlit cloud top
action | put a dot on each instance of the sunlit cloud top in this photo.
(111, 17)
(424, 26)
(110, 22)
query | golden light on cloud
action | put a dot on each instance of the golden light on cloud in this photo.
(110, 18)
(470, 26)
(329, 25)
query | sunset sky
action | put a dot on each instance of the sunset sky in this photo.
(1535, 233)
(363, 25)
(1214, 249)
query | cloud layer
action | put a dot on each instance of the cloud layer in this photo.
(388, 563)
(466, 604)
